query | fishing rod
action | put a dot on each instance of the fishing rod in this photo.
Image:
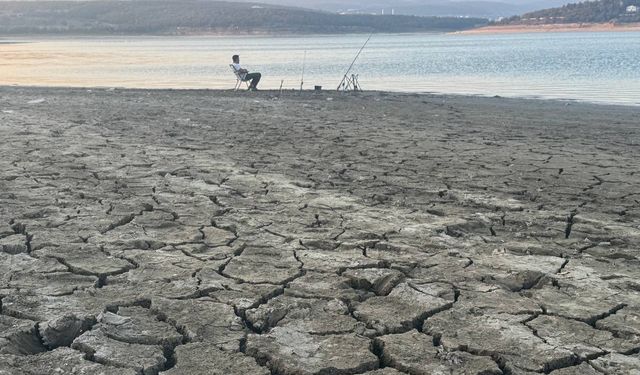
(344, 78)
(304, 60)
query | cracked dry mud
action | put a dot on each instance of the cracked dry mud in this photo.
(199, 232)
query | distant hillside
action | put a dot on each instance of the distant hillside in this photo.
(191, 16)
(602, 11)
(443, 8)
(460, 8)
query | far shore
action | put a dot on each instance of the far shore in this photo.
(12, 37)
(568, 27)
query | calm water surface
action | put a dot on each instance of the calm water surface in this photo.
(597, 67)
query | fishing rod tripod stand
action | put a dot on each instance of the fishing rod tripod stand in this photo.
(350, 84)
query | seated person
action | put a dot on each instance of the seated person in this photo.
(245, 75)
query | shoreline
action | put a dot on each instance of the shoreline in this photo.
(226, 35)
(547, 28)
(326, 94)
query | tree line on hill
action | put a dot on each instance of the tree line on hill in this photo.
(193, 16)
(602, 11)
(470, 8)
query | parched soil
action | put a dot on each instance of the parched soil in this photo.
(208, 232)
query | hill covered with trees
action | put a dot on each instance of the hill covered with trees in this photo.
(601, 11)
(192, 16)
(462, 8)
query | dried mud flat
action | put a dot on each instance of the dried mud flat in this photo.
(200, 232)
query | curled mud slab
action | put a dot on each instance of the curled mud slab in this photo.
(202, 232)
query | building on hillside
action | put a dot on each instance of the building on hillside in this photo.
(632, 9)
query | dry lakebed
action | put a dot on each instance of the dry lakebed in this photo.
(210, 232)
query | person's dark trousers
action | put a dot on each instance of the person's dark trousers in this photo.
(254, 78)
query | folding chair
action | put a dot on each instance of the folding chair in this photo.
(239, 78)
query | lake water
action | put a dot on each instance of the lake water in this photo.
(596, 67)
